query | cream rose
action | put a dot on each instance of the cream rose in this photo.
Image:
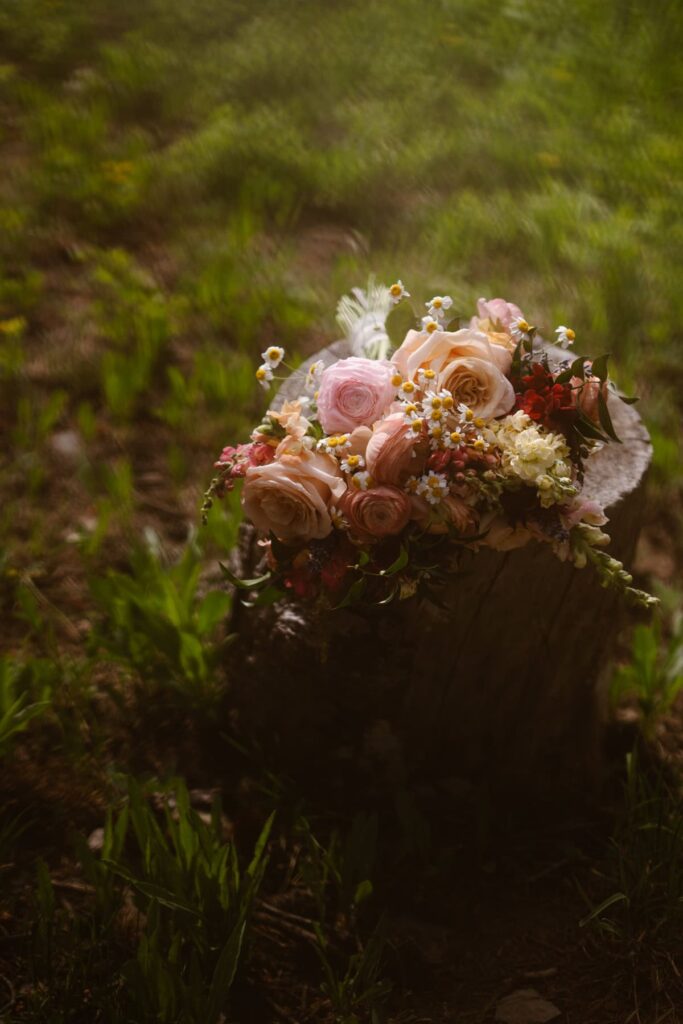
(376, 513)
(392, 454)
(436, 350)
(480, 385)
(354, 392)
(290, 497)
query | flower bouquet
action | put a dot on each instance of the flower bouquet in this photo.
(372, 478)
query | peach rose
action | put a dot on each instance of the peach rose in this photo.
(354, 392)
(392, 454)
(587, 396)
(503, 536)
(436, 518)
(290, 497)
(376, 513)
(434, 351)
(480, 385)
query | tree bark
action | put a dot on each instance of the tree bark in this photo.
(504, 690)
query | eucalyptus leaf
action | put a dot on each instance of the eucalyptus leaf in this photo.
(251, 584)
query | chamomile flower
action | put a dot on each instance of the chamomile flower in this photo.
(565, 336)
(416, 426)
(334, 444)
(352, 463)
(407, 389)
(411, 411)
(452, 438)
(412, 484)
(430, 324)
(397, 379)
(433, 487)
(361, 480)
(273, 356)
(520, 328)
(337, 517)
(425, 377)
(264, 376)
(465, 413)
(397, 291)
(436, 434)
(313, 375)
(437, 306)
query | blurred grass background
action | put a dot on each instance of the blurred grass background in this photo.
(183, 184)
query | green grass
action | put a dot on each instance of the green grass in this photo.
(183, 184)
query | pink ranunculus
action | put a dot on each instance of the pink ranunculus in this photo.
(480, 385)
(290, 497)
(497, 312)
(420, 350)
(354, 392)
(378, 512)
(392, 454)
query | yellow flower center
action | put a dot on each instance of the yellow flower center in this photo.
(469, 415)
(273, 353)
(456, 438)
(479, 422)
(432, 326)
(570, 334)
(523, 325)
(437, 303)
(416, 426)
(407, 387)
(437, 414)
(479, 445)
(448, 402)
(430, 374)
(436, 432)
(260, 373)
(396, 289)
(397, 380)
(353, 460)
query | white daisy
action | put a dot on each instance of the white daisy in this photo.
(411, 411)
(520, 328)
(397, 292)
(313, 375)
(361, 480)
(334, 444)
(351, 463)
(426, 377)
(273, 356)
(433, 487)
(437, 306)
(264, 375)
(565, 336)
(430, 324)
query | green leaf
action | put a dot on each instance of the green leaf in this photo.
(400, 320)
(252, 584)
(617, 897)
(353, 594)
(363, 891)
(606, 419)
(577, 369)
(398, 564)
(212, 610)
(629, 400)
(599, 367)
(224, 974)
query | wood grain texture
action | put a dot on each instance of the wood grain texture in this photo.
(504, 690)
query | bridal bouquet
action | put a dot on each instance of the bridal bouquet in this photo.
(373, 480)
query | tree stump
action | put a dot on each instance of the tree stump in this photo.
(505, 690)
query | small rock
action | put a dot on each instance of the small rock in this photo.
(68, 445)
(526, 1006)
(96, 840)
